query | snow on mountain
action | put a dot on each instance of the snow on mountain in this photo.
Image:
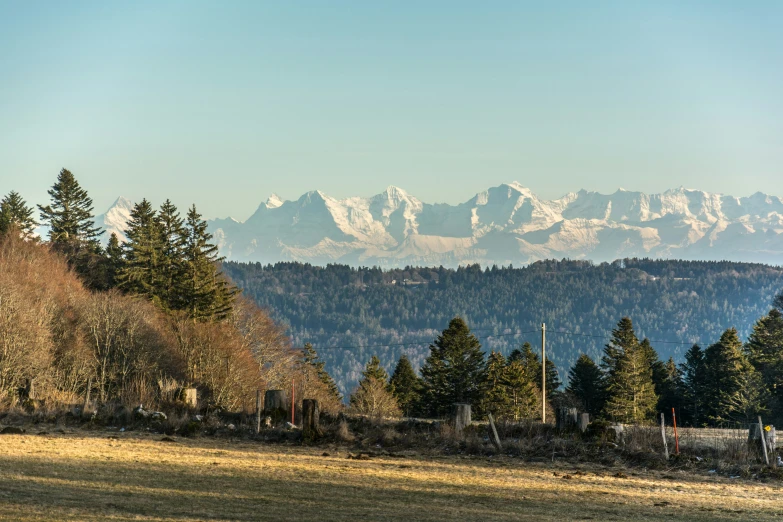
(501, 225)
(115, 219)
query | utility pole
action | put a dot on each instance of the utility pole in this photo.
(543, 373)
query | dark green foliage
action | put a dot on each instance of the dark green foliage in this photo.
(69, 215)
(310, 356)
(629, 386)
(373, 370)
(140, 271)
(694, 380)
(764, 350)
(523, 393)
(586, 383)
(734, 390)
(454, 370)
(15, 213)
(495, 397)
(171, 266)
(680, 302)
(405, 385)
(114, 261)
(204, 292)
(72, 230)
(670, 389)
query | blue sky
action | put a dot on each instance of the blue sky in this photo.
(223, 104)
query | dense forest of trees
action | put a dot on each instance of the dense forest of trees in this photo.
(351, 314)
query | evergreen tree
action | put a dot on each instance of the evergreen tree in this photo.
(585, 381)
(522, 394)
(372, 396)
(15, 213)
(454, 370)
(670, 389)
(405, 385)
(171, 264)
(205, 293)
(495, 398)
(69, 216)
(694, 379)
(764, 350)
(310, 357)
(630, 389)
(114, 261)
(726, 376)
(140, 271)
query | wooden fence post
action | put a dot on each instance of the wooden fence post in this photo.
(495, 438)
(310, 427)
(460, 417)
(259, 407)
(663, 435)
(191, 397)
(763, 441)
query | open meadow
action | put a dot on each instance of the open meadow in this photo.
(83, 475)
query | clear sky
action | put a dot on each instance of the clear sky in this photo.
(222, 103)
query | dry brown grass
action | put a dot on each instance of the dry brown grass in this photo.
(90, 476)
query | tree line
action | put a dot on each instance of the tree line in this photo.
(727, 382)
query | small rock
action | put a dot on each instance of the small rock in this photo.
(325, 454)
(159, 416)
(231, 427)
(11, 430)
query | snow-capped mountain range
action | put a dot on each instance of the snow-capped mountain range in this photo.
(503, 225)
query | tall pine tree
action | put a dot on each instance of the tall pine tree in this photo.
(205, 292)
(69, 216)
(140, 273)
(14, 213)
(630, 390)
(454, 370)
(405, 385)
(694, 379)
(585, 382)
(764, 350)
(495, 397)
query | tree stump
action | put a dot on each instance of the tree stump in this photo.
(566, 419)
(460, 417)
(276, 405)
(584, 421)
(190, 397)
(311, 430)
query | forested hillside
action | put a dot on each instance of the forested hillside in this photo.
(352, 314)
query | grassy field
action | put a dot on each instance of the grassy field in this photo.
(92, 475)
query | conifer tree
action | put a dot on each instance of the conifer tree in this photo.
(585, 382)
(140, 271)
(523, 395)
(454, 370)
(670, 389)
(114, 261)
(310, 357)
(630, 389)
(372, 396)
(171, 265)
(15, 213)
(69, 216)
(495, 398)
(405, 385)
(728, 373)
(206, 294)
(532, 365)
(764, 350)
(694, 380)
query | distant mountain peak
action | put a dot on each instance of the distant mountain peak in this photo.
(273, 201)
